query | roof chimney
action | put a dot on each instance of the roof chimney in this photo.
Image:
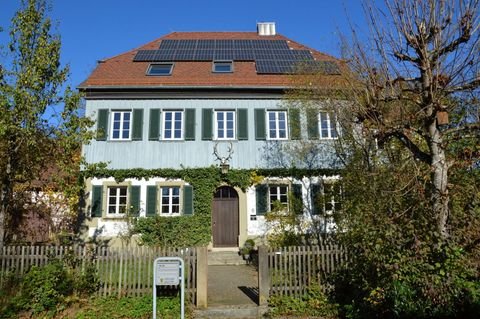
(266, 28)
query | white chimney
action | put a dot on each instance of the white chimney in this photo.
(266, 28)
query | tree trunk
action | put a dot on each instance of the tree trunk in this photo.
(439, 166)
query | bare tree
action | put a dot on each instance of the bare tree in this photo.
(422, 59)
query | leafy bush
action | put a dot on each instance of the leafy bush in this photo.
(44, 287)
(313, 303)
(88, 281)
(130, 307)
(181, 231)
(400, 266)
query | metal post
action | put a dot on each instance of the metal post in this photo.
(165, 274)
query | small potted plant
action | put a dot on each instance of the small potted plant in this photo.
(247, 249)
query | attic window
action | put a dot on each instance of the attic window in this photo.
(160, 69)
(222, 67)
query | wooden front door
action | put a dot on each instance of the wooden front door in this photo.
(225, 217)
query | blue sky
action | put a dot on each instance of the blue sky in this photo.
(95, 29)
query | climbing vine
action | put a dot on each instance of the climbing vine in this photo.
(193, 230)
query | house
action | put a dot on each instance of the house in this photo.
(204, 100)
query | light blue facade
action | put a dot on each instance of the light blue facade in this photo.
(148, 154)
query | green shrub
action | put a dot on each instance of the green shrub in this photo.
(181, 231)
(44, 287)
(313, 303)
(87, 282)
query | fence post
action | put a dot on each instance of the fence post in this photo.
(263, 276)
(202, 276)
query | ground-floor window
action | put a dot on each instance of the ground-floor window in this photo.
(278, 194)
(170, 201)
(117, 200)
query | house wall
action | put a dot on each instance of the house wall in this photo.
(251, 224)
(148, 154)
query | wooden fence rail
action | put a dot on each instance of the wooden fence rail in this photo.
(293, 269)
(122, 271)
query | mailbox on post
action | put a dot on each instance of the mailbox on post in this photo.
(168, 271)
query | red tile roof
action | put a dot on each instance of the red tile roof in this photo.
(121, 71)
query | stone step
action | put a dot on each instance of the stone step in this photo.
(216, 258)
(239, 311)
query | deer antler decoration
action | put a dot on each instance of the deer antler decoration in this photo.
(223, 160)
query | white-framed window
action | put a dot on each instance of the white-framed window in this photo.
(117, 200)
(172, 125)
(121, 125)
(222, 66)
(277, 194)
(160, 69)
(327, 125)
(170, 200)
(277, 125)
(332, 193)
(224, 125)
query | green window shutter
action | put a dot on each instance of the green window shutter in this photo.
(260, 133)
(102, 125)
(207, 125)
(187, 200)
(316, 199)
(312, 124)
(135, 200)
(295, 124)
(154, 127)
(97, 195)
(137, 127)
(151, 200)
(190, 124)
(242, 124)
(261, 192)
(297, 200)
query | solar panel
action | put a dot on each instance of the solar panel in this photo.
(224, 55)
(206, 44)
(204, 55)
(242, 44)
(144, 55)
(184, 55)
(271, 56)
(243, 55)
(267, 67)
(168, 44)
(186, 44)
(224, 44)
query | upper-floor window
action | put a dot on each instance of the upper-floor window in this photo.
(117, 200)
(224, 125)
(172, 125)
(328, 125)
(120, 128)
(170, 200)
(277, 125)
(278, 194)
(160, 69)
(222, 66)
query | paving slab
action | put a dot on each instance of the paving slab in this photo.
(232, 285)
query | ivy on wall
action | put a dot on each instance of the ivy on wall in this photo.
(194, 230)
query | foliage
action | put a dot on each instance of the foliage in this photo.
(284, 225)
(41, 127)
(49, 288)
(45, 287)
(412, 79)
(130, 307)
(182, 231)
(400, 266)
(313, 303)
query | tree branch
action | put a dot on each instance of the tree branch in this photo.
(416, 151)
